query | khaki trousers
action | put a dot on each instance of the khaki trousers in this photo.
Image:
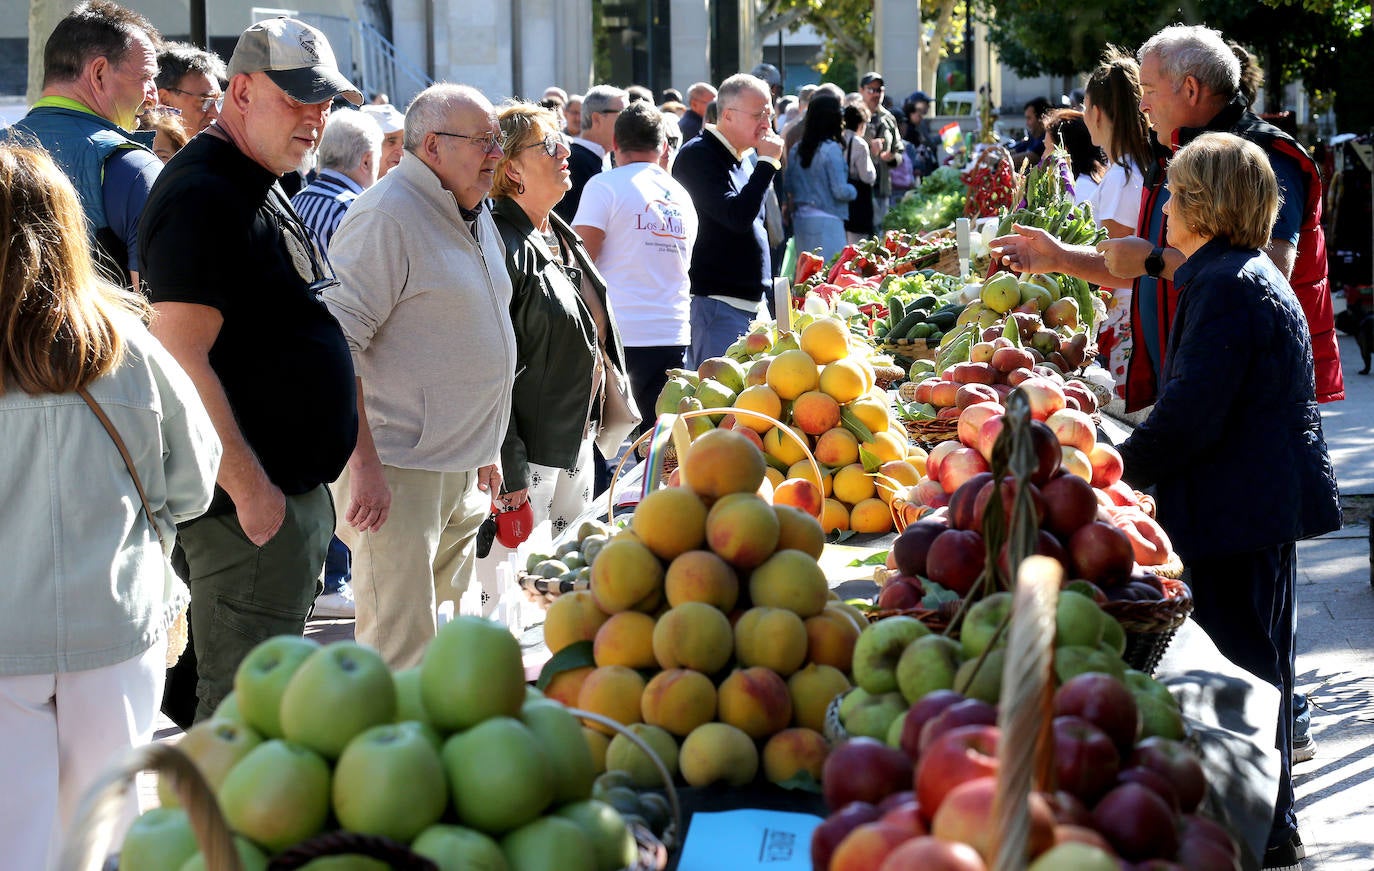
(424, 554)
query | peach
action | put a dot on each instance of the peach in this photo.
(612, 691)
(1073, 428)
(887, 446)
(762, 399)
(843, 380)
(903, 473)
(625, 639)
(627, 576)
(773, 638)
(597, 744)
(804, 470)
(812, 690)
(852, 484)
(782, 447)
(831, 636)
(571, 618)
(792, 373)
(742, 529)
(722, 461)
(834, 516)
(755, 701)
(793, 751)
(971, 420)
(944, 394)
(718, 752)
(836, 447)
(871, 516)
(865, 848)
(1075, 462)
(825, 340)
(1106, 465)
(815, 412)
(678, 700)
(790, 579)
(565, 685)
(872, 412)
(800, 493)
(936, 458)
(693, 635)
(670, 521)
(960, 465)
(701, 576)
(797, 530)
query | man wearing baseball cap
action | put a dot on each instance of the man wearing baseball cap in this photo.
(393, 125)
(230, 267)
(884, 141)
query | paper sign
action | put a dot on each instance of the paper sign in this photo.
(746, 840)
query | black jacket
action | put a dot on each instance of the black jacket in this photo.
(583, 163)
(551, 404)
(1234, 443)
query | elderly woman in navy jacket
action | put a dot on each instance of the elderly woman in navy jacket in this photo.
(1234, 444)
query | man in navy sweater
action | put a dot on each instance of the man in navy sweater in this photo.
(730, 269)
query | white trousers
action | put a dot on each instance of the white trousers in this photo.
(58, 733)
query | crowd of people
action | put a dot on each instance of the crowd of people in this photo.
(329, 340)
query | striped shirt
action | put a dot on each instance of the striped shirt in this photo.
(322, 203)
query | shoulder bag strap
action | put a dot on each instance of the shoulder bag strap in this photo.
(128, 460)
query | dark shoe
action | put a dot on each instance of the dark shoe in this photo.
(1298, 847)
(1285, 857)
(1304, 749)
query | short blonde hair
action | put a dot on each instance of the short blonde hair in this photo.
(1222, 186)
(522, 124)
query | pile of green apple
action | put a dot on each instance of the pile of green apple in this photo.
(456, 758)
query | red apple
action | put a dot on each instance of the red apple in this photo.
(1106, 463)
(1070, 503)
(942, 394)
(828, 835)
(862, 769)
(987, 435)
(867, 846)
(1151, 780)
(1069, 809)
(928, 853)
(1138, 823)
(962, 513)
(963, 712)
(929, 492)
(965, 814)
(1101, 553)
(1016, 376)
(1010, 359)
(924, 390)
(1008, 491)
(974, 393)
(956, 559)
(1054, 375)
(960, 465)
(895, 800)
(1105, 702)
(1087, 401)
(1178, 765)
(1085, 759)
(910, 548)
(975, 373)
(922, 711)
(954, 758)
(1073, 428)
(1192, 827)
(936, 459)
(1003, 390)
(901, 593)
(1047, 453)
(1064, 832)
(906, 815)
(1045, 396)
(1199, 854)
(973, 416)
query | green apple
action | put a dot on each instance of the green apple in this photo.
(346, 862)
(623, 755)
(471, 671)
(609, 780)
(1078, 621)
(1141, 684)
(262, 677)
(880, 647)
(984, 681)
(929, 663)
(340, 691)
(612, 840)
(560, 734)
(873, 716)
(498, 775)
(1159, 718)
(850, 702)
(1076, 659)
(215, 746)
(549, 844)
(409, 705)
(278, 795)
(894, 732)
(1113, 635)
(159, 839)
(250, 858)
(1074, 856)
(229, 710)
(390, 781)
(982, 622)
(454, 848)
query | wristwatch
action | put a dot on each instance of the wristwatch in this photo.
(1154, 264)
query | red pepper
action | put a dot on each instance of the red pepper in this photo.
(846, 254)
(808, 264)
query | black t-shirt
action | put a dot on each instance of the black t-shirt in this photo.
(218, 231)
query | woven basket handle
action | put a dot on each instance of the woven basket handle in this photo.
(92, 831)
(648, 751)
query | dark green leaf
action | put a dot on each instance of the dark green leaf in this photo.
(802, 780)
(876, 559)
(575, 655)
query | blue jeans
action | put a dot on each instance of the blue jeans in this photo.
(338, 566)
(825, 232)
(715, 326)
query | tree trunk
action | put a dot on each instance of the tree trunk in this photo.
(43, 18)
(930, 60)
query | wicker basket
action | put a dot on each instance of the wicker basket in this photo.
(1150, 626)
(886, 376)
(929, 433)
(908, 350)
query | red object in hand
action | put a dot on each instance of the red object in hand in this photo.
(514, 525)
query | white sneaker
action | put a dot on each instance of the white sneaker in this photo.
(336, 605)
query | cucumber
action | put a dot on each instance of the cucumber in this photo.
(943, 320)
(880, 329)
(925, 303)
(934, 338)
(909, 320)
(921, 331)
(895, 310)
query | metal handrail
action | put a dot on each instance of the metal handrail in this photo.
(381, 64)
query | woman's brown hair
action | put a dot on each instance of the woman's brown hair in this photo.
(1222, 186)
(1114, 87)
(56, 313)
(520, 125)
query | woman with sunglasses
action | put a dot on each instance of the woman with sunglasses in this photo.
(566, 338)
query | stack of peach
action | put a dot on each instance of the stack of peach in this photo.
(713, 629)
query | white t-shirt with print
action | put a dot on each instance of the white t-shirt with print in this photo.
(650, 228)
(1117, 198)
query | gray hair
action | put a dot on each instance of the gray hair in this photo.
(176, 59)
(429, 111)
(805, 94)
(597, 100)
(701, 89)
(1194, 50)
(833, 90)
(348, 135)
(731, 88)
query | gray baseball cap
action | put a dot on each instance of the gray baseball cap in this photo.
(296, 57)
